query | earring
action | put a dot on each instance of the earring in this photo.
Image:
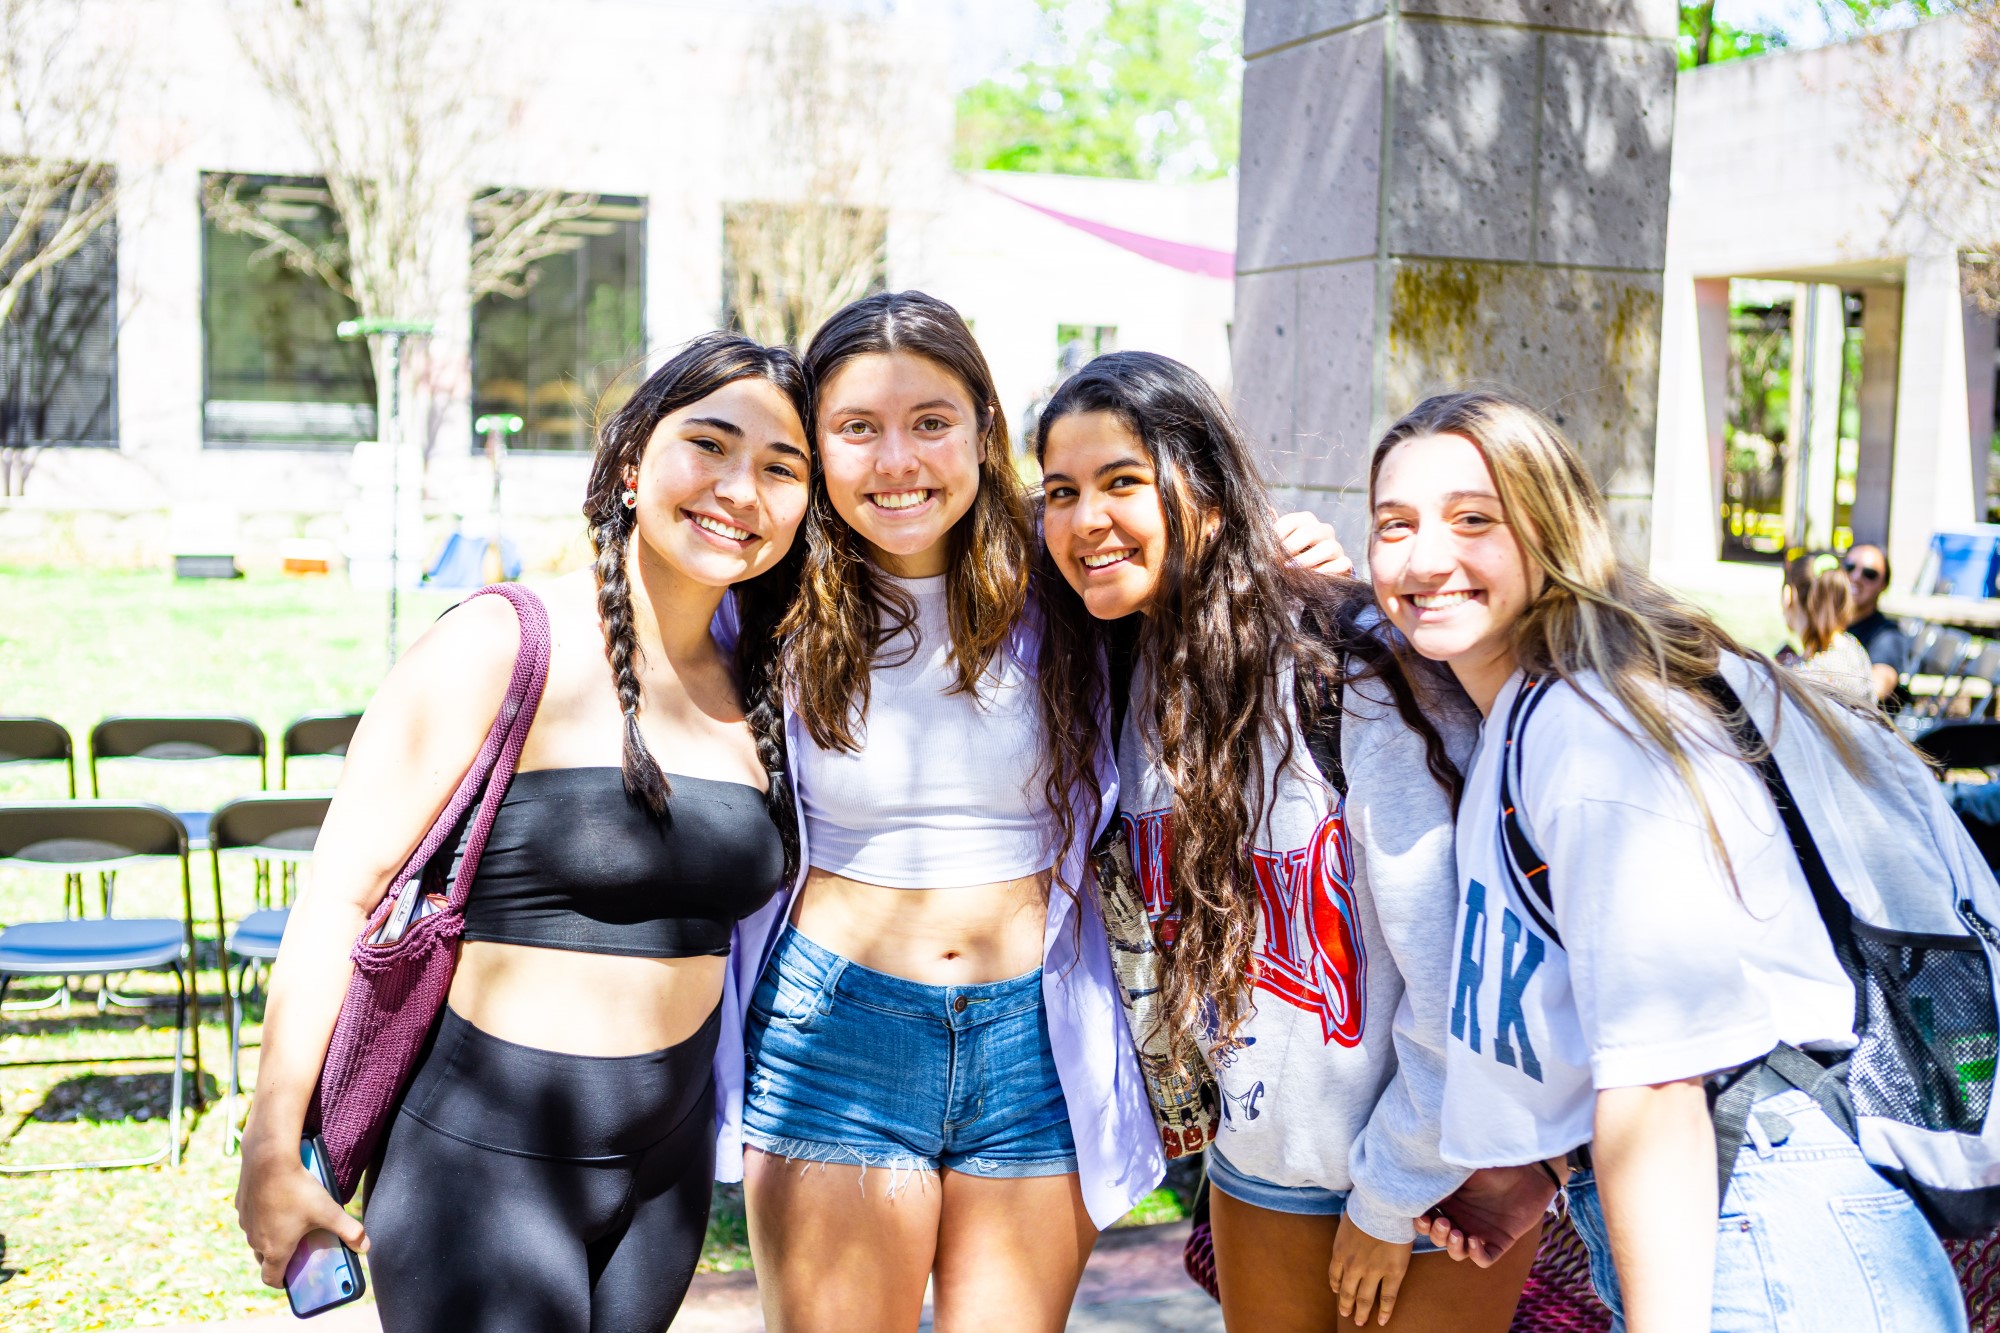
(631, 497)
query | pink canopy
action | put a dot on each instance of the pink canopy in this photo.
(1196, 259)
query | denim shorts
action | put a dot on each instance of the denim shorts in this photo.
(1810, 1238)
(1300, 1200)
(851, 1065)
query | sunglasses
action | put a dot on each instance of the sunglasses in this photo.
(1867, 573)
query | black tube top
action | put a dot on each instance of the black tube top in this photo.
(574, 863)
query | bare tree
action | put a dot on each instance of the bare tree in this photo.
(830, 117)
(1936, 106)
(58, 106)
(386, 95)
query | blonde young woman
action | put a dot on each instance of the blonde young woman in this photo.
(1678, 940)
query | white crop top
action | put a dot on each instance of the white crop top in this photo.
(945, 790)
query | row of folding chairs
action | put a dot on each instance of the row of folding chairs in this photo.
(172, 737)
(1953, 673)
(78, 838)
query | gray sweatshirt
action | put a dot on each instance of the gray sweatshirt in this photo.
(1336, 1078)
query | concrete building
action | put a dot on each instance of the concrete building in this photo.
(1792, 255)
(220, 405)
(1436, 192)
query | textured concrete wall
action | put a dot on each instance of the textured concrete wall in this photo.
(1443, 191)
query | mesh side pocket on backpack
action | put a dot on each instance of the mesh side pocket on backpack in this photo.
(1928, 1033)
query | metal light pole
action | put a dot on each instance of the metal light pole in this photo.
(394, 330)
(496, 427)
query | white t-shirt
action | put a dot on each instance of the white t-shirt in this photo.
(1667, 969)
(946, 789)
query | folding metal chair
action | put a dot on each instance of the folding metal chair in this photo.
(278, 829)
(312, 735)
(1942, 655)
(71, 838)
(37, 740)
(179, 739)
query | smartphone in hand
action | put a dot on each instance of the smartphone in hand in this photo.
(323, 1272)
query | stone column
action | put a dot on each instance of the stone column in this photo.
(1436, 192)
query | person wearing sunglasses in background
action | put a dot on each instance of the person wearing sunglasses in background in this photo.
(1888, 647)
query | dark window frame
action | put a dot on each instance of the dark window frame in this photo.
(643, 204)
(266, 444)
(104, 243)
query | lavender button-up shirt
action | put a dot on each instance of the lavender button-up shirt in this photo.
(1118, 1149)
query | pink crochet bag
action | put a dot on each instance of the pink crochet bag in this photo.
(399, 988)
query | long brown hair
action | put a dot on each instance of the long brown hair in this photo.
(1597, 613)
(702, 367)
(1227, 617)
(846, 611)
(1823, 595)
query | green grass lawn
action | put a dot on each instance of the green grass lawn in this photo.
(158, 1245)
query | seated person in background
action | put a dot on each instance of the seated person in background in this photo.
(1818, 606)
(1888, 647)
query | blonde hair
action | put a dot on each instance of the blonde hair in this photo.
(1597, 613)
(1824, 597)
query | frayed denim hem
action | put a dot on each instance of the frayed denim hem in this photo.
(992, 1168)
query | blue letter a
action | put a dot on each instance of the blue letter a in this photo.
(1514, 981)
(1471, 967)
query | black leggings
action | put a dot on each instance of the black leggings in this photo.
(528, 1190)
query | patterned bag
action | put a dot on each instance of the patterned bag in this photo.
(399, 986)
(1186, 1106)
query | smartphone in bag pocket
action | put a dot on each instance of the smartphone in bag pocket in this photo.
(323, 1273)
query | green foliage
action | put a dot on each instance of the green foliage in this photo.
(1144, 89)
(1724, 41)
(1848, 17)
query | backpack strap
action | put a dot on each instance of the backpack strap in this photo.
(1834, 911)
(1529, 867)
(1323, 705)
(1785, 1066)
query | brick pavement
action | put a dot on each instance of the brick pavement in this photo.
(1133, 1284)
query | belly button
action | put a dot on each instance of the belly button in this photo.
(951, 956)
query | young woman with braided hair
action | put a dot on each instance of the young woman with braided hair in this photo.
(941, 1087)
(549, 1168)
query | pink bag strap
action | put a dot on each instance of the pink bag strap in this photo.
(493, 768)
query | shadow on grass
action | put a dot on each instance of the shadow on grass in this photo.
(103, 1099)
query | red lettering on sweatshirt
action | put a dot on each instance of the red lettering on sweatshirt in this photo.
(1311, 955)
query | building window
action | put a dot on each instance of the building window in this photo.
(274, 371)
(558, 355)
(59, 349)
(1758, 421)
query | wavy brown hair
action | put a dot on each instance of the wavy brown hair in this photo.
(846, 612)
(1228, 617)
(699, 369)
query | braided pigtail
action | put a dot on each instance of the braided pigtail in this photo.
(699, 369)
(643, 779)
(761, 604)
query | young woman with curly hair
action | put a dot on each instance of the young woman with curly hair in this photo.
(1307, 929)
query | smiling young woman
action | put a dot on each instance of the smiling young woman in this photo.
(550, 1165)
(1676, 940)
(1305, 917)
(940, 1087)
